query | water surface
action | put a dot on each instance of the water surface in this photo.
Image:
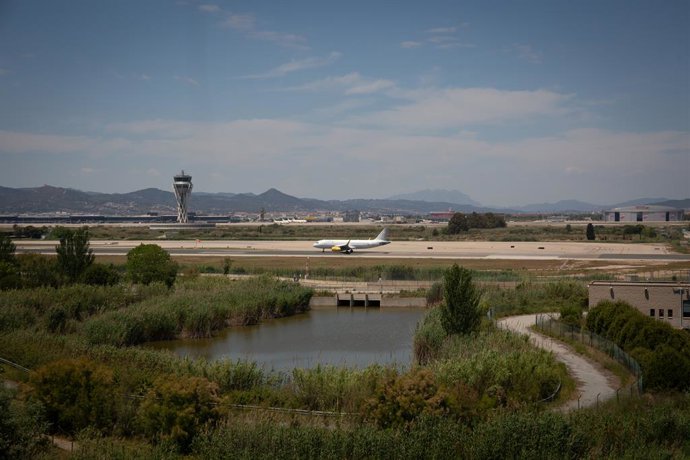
(352, 337)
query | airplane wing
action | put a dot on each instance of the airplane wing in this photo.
(344, 248)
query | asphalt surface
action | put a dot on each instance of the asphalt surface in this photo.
(402, 249)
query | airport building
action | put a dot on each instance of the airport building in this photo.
(663, 301)
(646, 213)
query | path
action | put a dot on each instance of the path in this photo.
(591, 382)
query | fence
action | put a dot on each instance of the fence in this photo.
(549, 325)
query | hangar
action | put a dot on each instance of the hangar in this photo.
(646, 213)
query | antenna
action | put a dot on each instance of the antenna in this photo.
(182, 185)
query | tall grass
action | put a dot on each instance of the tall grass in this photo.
(54, 307)
(499, 364)
(633, 429)
(528, 297)
(197, 309)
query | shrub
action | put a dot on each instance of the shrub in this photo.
(76, 394)
(429, 337)
(101, 275)
(149, 263)
(401, 400)
(571, 315)
(21, 428)
(435, 293)
(176, 409)
(662, 351)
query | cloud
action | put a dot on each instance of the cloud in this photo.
(437, 109)
(20, 143)
(410, 44)
(240, 22)
(442, 30)
(586, 163)
(297, 65)
(526, 53)
(440, 38)
(187, 80)
(246, 23)
(351, 84)
(370, 87)
(209, 8)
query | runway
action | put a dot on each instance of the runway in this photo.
(402, 249)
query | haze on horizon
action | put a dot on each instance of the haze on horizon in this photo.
(508, 102)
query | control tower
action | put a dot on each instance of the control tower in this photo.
(182, 185)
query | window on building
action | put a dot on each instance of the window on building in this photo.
(669, 313)
(661, 313)
(651, 312)
(686, 308)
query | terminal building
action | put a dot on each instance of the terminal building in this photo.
(646, 213)
(663, 301)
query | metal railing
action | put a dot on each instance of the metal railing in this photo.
(551, 326)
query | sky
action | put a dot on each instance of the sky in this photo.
(509, 102)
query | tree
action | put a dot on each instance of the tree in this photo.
(39, 270)
(590, 232)
(458, 223)
(101, 275)
(9, 274)
(460, 312)
(148, 263)
(7, 248)
(76, 394)
(178, 408)
(73, 254)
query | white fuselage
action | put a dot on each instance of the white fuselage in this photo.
(351, 244)
(347, 246)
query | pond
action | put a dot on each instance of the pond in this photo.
(352, 337)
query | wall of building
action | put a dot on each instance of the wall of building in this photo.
(661, 298)
(647, 216)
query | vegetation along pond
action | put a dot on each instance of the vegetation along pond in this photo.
(352, 337)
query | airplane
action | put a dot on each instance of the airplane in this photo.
(289, 220)
(348, 246)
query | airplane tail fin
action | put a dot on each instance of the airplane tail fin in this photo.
(383, 235)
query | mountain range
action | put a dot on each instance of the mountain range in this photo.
(48, 199)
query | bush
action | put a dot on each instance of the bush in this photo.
(400, 401)
(663, 352)
(571, 315)
(21, 428)
(176, 409)
(149, 263)
(101, 275)
(38, 270)
(435, 293)
(429, 337)
(76, 394)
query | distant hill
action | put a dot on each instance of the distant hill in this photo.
(561, 206)
(48, 199)
(680, 204)
(438, 196)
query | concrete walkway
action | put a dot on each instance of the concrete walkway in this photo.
(591, 382)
